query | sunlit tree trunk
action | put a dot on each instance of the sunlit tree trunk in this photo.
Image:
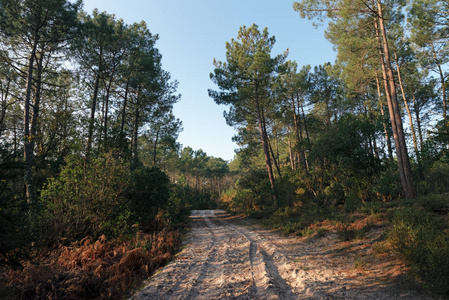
(395, 116)
(412, 128)
(387, 135)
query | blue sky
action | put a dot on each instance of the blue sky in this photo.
(194, 32)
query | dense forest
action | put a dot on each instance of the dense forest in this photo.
(95, 189)
(366, 134)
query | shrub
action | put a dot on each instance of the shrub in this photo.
(419, 237)
(14, 211)
(437, 178)
(149, 191)
(87, 199)
(178, 208)
(388, 185)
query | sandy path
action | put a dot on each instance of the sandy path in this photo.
(227, 257)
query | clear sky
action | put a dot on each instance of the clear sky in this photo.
(194, 32)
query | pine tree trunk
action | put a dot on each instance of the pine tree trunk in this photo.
(276, 164)
(398, 132)
(307, 136)
(266, 151)
(155, 147)
(135, 136)
(4, 104)
(418, 121)
(298, 132)
(94, 105)
(135, 159)
(442, 81)
(412, 128)
(36, 102)
(106, 110)
(387, 135)
(292, 163)
(27, 147)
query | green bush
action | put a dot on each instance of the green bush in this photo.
(87, 199)
(251, 195)
(348, 166)
(148, 192)
(423, 242)
(388, 186)
(432, 202)
(15, 235)
(178, 208)
(437, 178)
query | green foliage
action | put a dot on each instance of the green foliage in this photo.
(437, 178)
(388, 185)
(149, 191)
(87, 199)
(421, 239)
(381, 247)
(251, 194)
(194, 199)
(178, 207)
(347, 165)
(14, 212)
(359, 263)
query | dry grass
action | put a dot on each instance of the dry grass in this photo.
(102, 269)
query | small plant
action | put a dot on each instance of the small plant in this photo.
(381, 247)
(372, 207)
(291, 227)
(359, 263)
(346, 234)
(375, 217)
(307, 231)
(432, 202)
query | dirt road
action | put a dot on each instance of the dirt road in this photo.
(228, 257)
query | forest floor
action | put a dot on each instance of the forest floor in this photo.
(231, 257)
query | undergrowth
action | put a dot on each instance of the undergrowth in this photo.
(419, 233)
(90, 269)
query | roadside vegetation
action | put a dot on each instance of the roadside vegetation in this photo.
(95, 190)
(351, 146)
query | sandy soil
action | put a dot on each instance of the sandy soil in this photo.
(228, 257)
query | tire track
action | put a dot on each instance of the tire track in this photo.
(167, 287)
(199, 267)
(269, 284)
(225, 259)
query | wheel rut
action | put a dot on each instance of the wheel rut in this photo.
(226, 257)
